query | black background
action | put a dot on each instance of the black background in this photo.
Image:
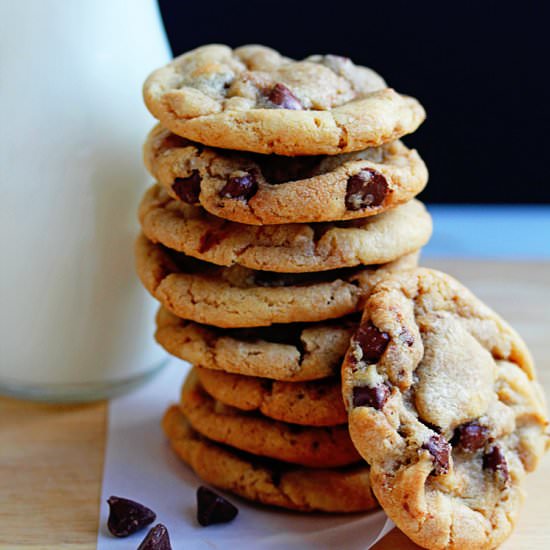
(479, 68)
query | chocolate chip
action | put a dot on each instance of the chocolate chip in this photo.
(368, 188)
(281, 96)
(277, 169)
(213, 508)
(496, 461)
(157, 539)
(188, 189)
(372, 341)
(127, 516)
(364, 396)
(440, 450)
(471, 436)
(240, 187)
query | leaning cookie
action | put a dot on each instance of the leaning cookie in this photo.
(269, 482)
(444, 405)
(317, 403)
(271, 189)
(290, 248)
(253, 99)
(239, 297)
(328, 447)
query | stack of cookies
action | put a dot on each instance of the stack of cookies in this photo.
(283, 195)
(284, 210)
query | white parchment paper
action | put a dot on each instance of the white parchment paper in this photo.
(140, 465)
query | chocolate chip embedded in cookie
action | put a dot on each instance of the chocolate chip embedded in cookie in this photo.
(317, 403)
(253, 99)
(293, 352)
(444, 405)
(290, 248)
(327, 447)
(239, 297)
(270, 189)
(269, 481)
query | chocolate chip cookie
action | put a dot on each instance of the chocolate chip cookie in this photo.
(253, 99)
(312, 447)
(290, 248)
(268, 481)
(444, 405)
(294, 352)
(271, 189)
(317, 403)
(240, 297)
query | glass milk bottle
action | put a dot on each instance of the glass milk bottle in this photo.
(75, 324)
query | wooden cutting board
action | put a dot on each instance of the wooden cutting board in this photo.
(51, 457)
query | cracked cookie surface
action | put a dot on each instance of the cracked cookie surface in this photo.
(290, 248)
(240, 297)
(253, 99)
(317, 403)
(270, 189)
(268, 481)
(444, 405)
(314, 447)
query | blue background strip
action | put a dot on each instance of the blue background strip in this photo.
(490, 231)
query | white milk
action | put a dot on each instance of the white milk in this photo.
(74, 321)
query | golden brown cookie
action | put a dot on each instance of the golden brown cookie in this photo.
(240, 297)
(268, 481)
(293, 352)
(444, 405)
(290, 248)
(253, 99)
(317, 403)
(271, 189)
(312, 447)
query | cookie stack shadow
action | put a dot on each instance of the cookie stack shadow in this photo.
(282, 196)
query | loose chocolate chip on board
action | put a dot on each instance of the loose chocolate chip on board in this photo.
(188, 189)
(127, 516)
(496, 461)
(471, 436)
(281, 96)
(213, 508)
(240, 187)
(365, 189)
(372, 341)
(440, 450)
(370, 397)
(156, 539)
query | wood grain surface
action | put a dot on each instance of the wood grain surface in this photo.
(51, 456)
